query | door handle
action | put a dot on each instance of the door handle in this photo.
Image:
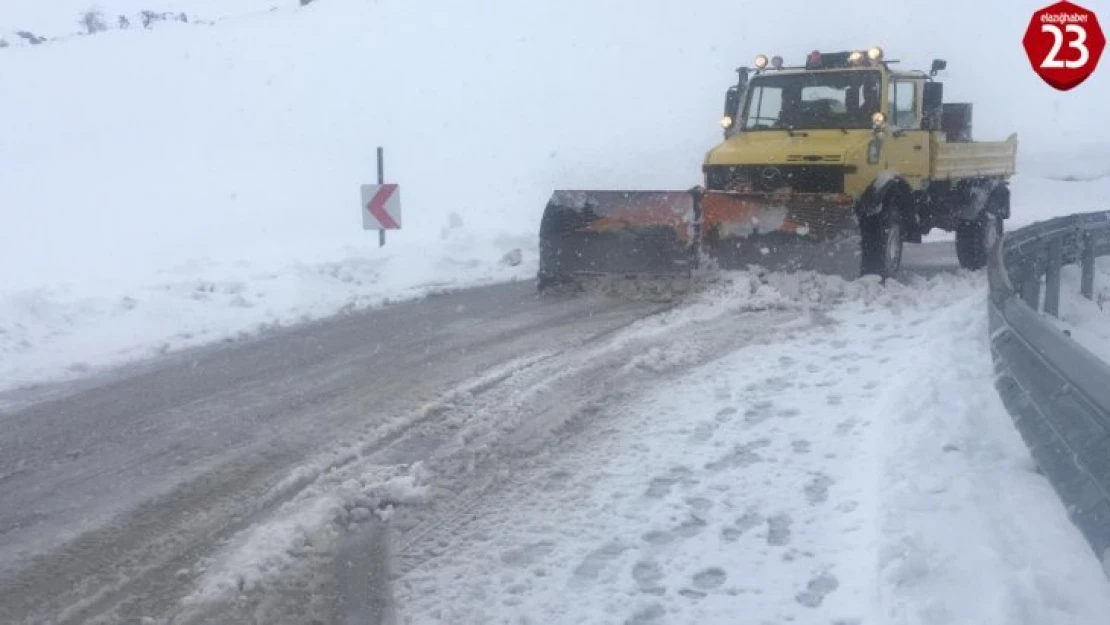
(917, 147)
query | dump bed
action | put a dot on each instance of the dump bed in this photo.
(971, 159)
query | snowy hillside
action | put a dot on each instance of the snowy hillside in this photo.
(186, 183)
(61, 20)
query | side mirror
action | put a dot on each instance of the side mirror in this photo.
(732, 105)
(939, 65)
(933, 95)
(732, 101)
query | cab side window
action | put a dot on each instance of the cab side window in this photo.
(902, 104)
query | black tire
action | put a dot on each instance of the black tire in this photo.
(882, 241)
(975, 237)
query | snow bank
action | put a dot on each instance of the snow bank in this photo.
(970, 532)
(60, 331)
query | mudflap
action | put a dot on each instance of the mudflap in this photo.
(592, 237)
(781, 232)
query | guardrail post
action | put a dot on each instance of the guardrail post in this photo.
(1031, 285)
(1052, 276)
(1087, 264)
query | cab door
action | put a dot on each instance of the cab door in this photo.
(907, 144)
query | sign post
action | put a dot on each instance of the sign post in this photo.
(1064, 43)
(381, 180)
(381, 204)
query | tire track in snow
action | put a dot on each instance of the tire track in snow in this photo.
(247, 416)
(475, 442)
(734, 477)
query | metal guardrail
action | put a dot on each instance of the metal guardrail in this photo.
(1057, 392)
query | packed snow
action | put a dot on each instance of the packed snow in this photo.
(853, 465)
(202, 184)
(861, 471)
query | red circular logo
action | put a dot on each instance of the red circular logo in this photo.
(1064, 43)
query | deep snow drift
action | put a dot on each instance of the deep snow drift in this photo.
(191, 182)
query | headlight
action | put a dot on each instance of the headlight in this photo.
(761, 61)
(875, 54)
(855, 58)
(878, 119)
(776, 62)
(726, 122)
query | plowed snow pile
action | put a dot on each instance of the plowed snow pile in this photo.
(862, 471)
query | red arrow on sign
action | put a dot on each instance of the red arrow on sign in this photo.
(377, 206)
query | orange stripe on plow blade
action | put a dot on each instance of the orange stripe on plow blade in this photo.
(732, 215)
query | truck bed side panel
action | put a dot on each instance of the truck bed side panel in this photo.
(954, 161)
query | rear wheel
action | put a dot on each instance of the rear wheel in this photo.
(976, 237)
(882, 242)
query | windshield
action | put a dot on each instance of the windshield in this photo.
(812, 100)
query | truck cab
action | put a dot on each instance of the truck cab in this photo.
(829, 166)
(875, 142)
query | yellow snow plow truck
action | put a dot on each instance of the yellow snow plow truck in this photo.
(829, 166)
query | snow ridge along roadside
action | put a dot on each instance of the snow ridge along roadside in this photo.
(50, 334)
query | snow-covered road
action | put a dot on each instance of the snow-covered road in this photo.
(147, 470)
(860, 471)
(790, 447)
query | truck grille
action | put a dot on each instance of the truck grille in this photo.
(813, 158)
(799, 178)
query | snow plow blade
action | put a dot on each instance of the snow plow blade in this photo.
(781, 231)
(629, 234)
(677, 234)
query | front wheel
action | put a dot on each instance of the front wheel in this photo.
(882, 243)
(975, 238)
